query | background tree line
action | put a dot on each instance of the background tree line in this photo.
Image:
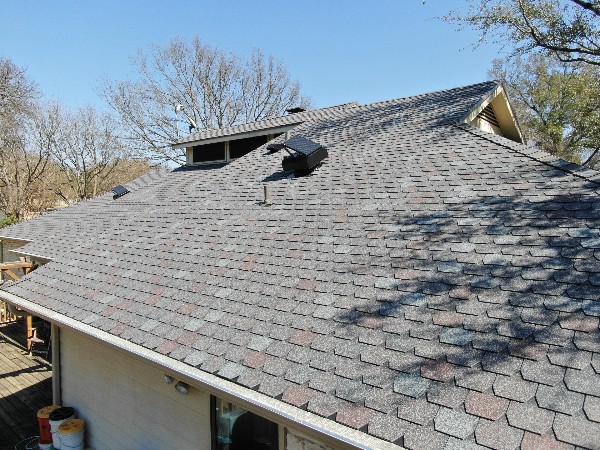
(51, 155)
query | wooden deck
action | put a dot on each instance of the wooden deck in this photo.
(25, 387)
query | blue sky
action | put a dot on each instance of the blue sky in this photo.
(340, 51)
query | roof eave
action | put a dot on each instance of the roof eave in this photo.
(33, 256)
(318, 427)
(11, 238)
(239, 135)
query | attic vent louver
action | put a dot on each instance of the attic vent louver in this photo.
(304, 155)
(119, 191)
(489, 115)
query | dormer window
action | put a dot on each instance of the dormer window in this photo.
(214, 152)
(226, 151)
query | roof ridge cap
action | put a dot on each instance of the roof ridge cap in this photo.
(382, 102)
(299, 114)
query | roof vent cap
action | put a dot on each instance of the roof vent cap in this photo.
(119, 191)
(304, 155)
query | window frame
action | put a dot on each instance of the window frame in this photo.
(228, 159)
(276, 429)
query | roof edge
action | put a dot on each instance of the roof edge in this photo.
(10, 238)
(16, 251)
(187, 142)
(240, 135)
(316, 426)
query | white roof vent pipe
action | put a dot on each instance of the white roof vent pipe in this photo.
(267, 196)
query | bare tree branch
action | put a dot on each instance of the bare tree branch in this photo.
(567, 29)
(215, 89)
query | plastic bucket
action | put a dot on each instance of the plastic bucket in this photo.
(44, 423)
(57, 417)
(71, 434)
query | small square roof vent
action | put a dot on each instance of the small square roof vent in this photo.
(119, 191)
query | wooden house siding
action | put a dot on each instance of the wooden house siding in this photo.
(126, 402)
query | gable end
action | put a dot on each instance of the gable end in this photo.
(494, 115)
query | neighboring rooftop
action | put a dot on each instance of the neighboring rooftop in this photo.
(431, 284)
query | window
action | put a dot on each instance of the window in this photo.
(234, 428)
(209, 152)
(240, 147)
(227, 151)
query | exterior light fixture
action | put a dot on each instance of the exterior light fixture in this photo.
(182, 387)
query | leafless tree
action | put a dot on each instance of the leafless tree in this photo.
(212, 88)
(85, 146)
(22, 162)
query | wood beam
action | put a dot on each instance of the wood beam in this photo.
(11, 274)
(27, 267)
(16, 265)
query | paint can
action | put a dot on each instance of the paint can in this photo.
(71, 434)
(44, 424)
(57, 417)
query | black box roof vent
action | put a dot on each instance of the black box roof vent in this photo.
(119, 191)
(304, 155)
(295, 110)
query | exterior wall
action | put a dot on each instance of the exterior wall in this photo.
(7, 246)
(486, 126)
(125, 401)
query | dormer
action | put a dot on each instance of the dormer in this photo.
(227, 148)
(494, 115)
(223, 145)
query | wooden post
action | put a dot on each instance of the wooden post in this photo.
(29, 333)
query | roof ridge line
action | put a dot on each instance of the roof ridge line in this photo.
(531, 152)
(264, 119)
(366, 105)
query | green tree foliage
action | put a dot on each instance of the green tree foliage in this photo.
(567, 29)
(558, 104)
(7, 221)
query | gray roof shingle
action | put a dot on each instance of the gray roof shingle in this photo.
(430, 284)
(263, 125)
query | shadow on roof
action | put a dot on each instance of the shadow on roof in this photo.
(200, 167)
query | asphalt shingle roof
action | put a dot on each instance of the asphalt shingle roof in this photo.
(265, 124)
(431, 284)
